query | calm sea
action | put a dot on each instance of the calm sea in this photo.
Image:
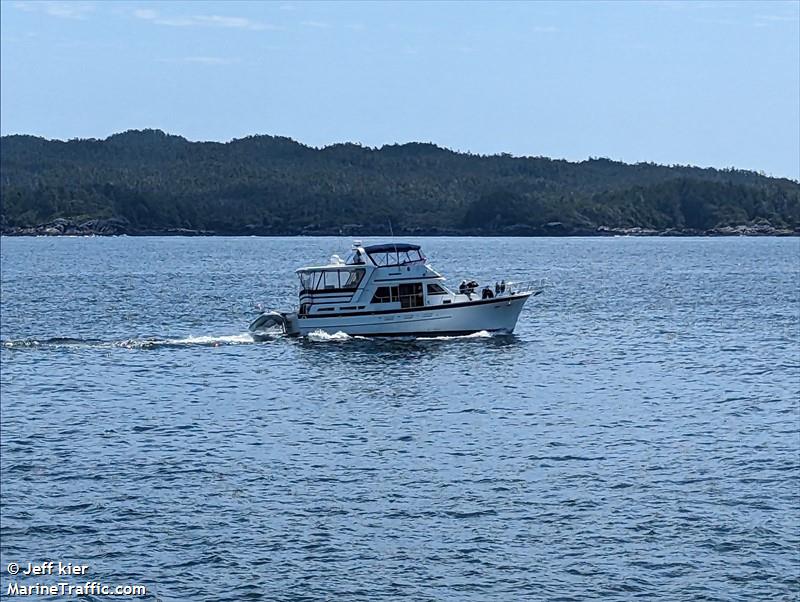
(637, 438)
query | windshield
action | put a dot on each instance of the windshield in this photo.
(384, 258)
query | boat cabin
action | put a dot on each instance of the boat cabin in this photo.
(374, 278)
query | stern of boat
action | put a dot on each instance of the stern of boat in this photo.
(272, 323)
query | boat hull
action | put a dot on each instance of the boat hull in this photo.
(491, 315)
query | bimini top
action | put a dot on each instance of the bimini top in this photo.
(400, 247)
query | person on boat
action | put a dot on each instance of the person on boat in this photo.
(502, 286)
(487, 293)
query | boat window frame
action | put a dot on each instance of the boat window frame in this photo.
(313, 281)
(391, 297)
(306, 278)
(359, 271)
(385, 262)
(413, 299)
(330, 280)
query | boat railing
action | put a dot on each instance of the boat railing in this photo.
(526, 286)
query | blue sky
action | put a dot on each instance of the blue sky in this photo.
(701, 83)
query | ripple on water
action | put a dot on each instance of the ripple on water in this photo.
(637, 437)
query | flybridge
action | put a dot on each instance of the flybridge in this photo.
(394, 254)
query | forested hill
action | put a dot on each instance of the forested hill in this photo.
(148, 181)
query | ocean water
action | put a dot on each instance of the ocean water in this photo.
(638, 437)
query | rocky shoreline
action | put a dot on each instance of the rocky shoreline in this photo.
(118, 227)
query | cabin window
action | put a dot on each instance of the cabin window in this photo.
(383, 259)
(408, 257)
(386, 294)
(383, 294)
(350, 278)
(331, 279)
(435, 289)
(306, 281)
(411, 295)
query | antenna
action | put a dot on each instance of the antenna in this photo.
(391, 232)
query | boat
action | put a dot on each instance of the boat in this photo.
(390, 290)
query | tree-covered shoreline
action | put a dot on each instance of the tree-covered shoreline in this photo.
(148, 182)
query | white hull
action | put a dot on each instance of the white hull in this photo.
(495, 315)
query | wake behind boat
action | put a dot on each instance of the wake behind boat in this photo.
(390, 290)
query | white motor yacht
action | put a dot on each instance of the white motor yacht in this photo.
(390, 290)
